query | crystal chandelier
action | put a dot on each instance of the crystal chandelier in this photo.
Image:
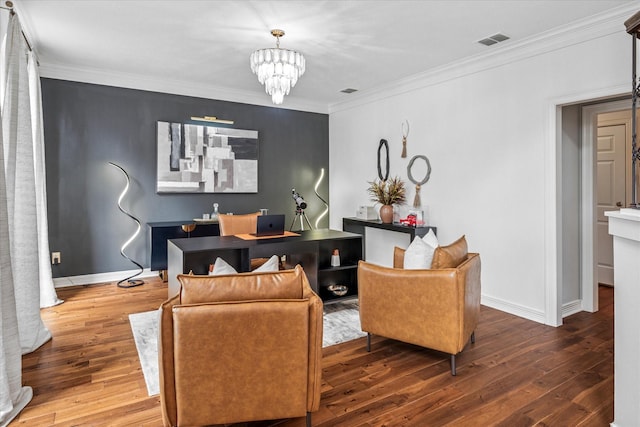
(277, 69)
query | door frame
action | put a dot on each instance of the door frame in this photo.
(553, 203)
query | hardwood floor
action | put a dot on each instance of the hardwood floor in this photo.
(518, 373)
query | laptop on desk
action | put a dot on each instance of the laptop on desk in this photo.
(269, 225)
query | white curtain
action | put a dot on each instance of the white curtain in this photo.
(25, 277)
(48, 296)
(13, 396)
(21, 190)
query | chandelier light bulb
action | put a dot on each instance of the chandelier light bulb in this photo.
(277, 69)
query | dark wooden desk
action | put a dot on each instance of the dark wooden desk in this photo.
(312, 250)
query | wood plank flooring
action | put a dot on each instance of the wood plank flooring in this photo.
(518, 373)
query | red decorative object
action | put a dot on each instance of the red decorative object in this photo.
(411, 220)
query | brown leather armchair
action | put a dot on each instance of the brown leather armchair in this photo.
(437, 308)
(242, 347)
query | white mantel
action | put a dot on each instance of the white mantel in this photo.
(624, 226)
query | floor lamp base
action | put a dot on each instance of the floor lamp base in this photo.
(132, 283)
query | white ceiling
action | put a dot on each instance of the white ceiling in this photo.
(347, 44)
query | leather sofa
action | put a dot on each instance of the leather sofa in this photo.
(436, 308)
(241, 347)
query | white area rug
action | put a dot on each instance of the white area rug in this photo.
(341, 322)
(145, 333)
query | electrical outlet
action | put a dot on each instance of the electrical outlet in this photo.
(55, 258)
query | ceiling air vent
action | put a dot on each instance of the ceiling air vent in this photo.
(348, 90)
(496, 38)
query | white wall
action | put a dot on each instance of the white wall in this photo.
(487, 128)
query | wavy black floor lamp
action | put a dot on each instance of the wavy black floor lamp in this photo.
(131, 282)
(326, 205)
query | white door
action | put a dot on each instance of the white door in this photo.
(610, 191)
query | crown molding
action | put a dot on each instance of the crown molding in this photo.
(601, 25)
(172, 86)
(175, 87)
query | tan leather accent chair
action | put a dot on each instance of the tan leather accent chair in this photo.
(231, 225)
(437, 308)
(239, 348)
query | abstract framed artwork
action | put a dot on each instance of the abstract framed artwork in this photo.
(206, 159)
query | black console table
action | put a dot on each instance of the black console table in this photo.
(384, 255)
(312, 249)
(163, 231)
(357, 225)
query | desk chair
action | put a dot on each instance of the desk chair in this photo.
(230, 225)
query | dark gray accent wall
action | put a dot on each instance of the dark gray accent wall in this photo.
(86, 126)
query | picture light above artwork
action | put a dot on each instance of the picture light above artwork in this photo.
(212, 119)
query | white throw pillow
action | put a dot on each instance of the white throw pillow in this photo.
(431, 239)
(416, 257)
(222, 267)
(272, 264)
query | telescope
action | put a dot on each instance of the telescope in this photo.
(300, 207)
(298, 199)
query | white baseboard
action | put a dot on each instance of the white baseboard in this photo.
(527, 312)
(572, 307)
(511, 308)
(515, 309)
(88, 279)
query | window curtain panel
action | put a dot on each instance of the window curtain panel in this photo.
(48, 296)
(21, 190)
(13, 396)
(16, 302)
